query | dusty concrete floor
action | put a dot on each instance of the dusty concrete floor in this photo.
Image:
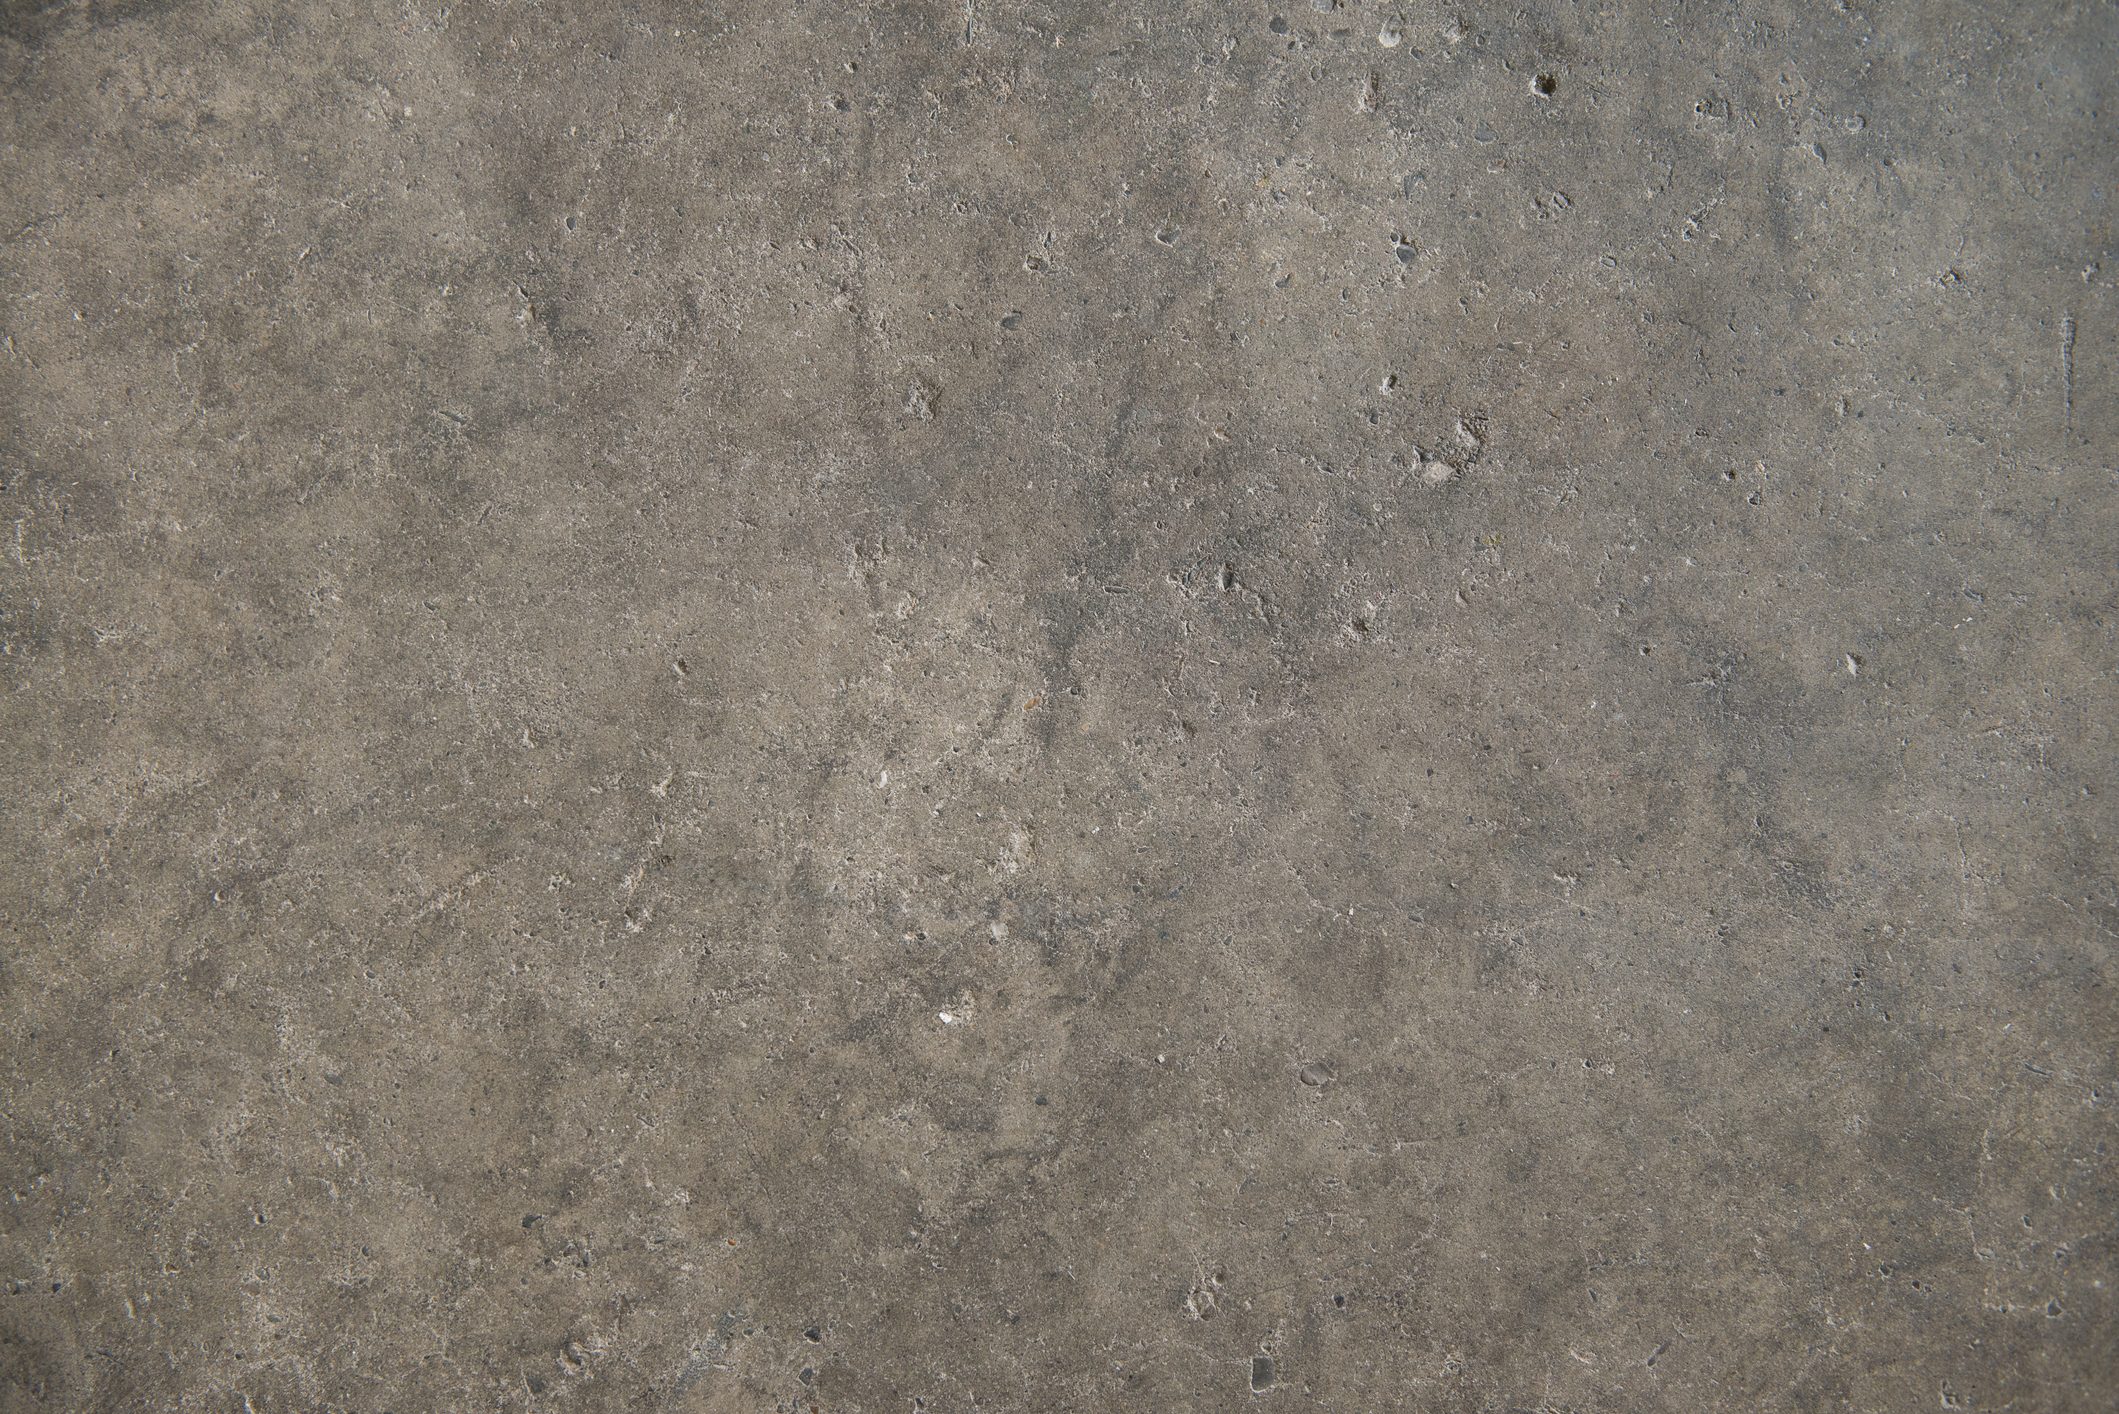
(1039, 706)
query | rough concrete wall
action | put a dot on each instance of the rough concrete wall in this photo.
(1057, 706)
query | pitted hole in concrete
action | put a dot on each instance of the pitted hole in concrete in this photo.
(1204, 1299)
(1545, 85)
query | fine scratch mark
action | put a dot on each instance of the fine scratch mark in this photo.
(2067, 372)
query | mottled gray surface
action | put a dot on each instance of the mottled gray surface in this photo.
(1058, 707)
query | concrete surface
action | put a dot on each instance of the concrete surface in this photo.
(1046, 707)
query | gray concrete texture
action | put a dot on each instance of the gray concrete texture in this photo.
(1007, 705)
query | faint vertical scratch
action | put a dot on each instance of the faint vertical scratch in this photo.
(1964, 877)
(2067, 372)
